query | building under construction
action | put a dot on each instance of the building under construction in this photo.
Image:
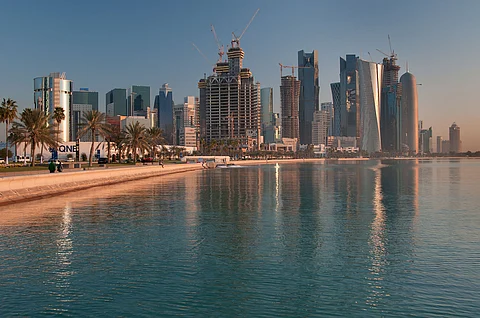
(230, 102)
(289, 99)
(390, 121)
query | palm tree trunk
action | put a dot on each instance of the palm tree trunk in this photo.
(25, 154)
(91, 149)
(41, 155)
(108, 151)
(32, 152)
(6, 141)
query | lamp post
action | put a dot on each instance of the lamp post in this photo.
(131, 101)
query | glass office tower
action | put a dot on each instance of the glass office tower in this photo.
(309, 93)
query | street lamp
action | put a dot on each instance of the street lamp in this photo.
(131, 102)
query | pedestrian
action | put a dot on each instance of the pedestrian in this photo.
(161, 163)
(59, 166)
(51, 167)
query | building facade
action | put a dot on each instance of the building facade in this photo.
(116, 102)
(425, 144)
(409, 113)
(185, 116)
(335, 88)
(328, 107)
(266, 101)
(455, 141)
(309, 93)
(370, 80)
(165, 112)
(321, 122)
(83, 101)
(52, 91)
(289, 103)
(349, 99)
(390, 110)
(140, 96)
(230, 102)
(439, 144)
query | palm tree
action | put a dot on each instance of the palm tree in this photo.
(93, 121)
(155, 138)
(136, 138)
(58, 116)
(8, 112)
(33, 129)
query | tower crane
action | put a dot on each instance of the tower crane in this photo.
(221, 52)
(236, 39)
(203, 55)
(392, 54)
(292, 67)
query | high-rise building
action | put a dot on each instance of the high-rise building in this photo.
(439, 144)
(455, 142)
(321, 122)
(266, 100)
(52, 91)
(140, 95)
(390, 114)
(230, 102)
(83, 101)
(425, 140)
(116, 102)
(273, 133)
(289, 101)
(165, 112)
(309, 93)
(335, 87)
(185, 116)
(369, 82)
(349, 100)
(409, 113)
(328, 107)
(445, 146)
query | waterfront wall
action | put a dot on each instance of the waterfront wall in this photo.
(29, 187)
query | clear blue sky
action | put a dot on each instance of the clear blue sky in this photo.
(108, 44)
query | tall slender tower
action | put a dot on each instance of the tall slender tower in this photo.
(309, 93)
(165, 112)
(455, 142)
(391, 93)
(289, 99)
(409, 113)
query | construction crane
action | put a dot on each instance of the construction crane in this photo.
(392, 54)
(292, 67)
(221, 52)
(236, 39)
(203, 55)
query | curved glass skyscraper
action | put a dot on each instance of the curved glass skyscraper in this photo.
(409, 107)
(370, 81)
(55, 91)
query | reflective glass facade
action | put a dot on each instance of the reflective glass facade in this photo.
(409, 116)
(116, 102)
(141, 99)
(82, 101)
(165, 112)
(335, 87)
(55, 91)
(349, 104)
(309, 93)
(370, 80)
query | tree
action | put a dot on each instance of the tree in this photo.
(8, 112)
(135, 138)
(155, 138)
(93, 121)
(3, 153)
(58, 116)
(33, 129)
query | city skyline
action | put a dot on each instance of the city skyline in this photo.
(418, 35)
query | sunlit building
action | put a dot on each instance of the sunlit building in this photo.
(309, 93)
(289, 99)
(370, 80)
(409, 113)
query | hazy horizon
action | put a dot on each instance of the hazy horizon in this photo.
(103, 45)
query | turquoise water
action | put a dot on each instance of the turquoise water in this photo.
(389, 238)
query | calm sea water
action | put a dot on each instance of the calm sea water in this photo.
(375, 238)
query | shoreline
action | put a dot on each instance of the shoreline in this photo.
(29, 187)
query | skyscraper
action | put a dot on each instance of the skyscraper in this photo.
(289, 101)
(349, 102)
(328, 107)
(165, 112)
(54, 91)
(321, 122)
(455, 142)
(370, 80)
(116, 102)
(185, 122)
(230, 102)
(425, 140)
(83, 101)
(266, 100)
(409, 113)
(390, 118)
(335, 87)
(309, 93)
(140, 95)
(439, 144)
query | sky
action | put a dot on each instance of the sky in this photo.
(115, 44)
